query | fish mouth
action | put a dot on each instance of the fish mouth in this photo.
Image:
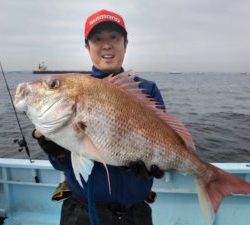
(22, 91)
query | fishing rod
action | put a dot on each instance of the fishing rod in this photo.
(22, 143)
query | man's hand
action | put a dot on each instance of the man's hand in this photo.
(36, 134)
(139, 169)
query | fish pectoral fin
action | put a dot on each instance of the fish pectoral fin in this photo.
(89, 147)
(82, 166)
(93, 152)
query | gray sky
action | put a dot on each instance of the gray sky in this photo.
(170, 35)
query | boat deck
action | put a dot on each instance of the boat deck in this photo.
(26, 188)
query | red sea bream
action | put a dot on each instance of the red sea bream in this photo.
(113, 122)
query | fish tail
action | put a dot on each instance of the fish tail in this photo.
(212, 190)
(205, 203)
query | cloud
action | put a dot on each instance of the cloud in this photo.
(163, 35)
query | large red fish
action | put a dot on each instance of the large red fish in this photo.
(113, 122)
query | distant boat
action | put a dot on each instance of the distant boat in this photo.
(42, 69)
(244, 73)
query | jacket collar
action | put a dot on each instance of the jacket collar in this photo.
(100, 74)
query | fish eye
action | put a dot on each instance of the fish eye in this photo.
(52, 84)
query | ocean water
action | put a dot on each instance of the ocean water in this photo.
(215, 108)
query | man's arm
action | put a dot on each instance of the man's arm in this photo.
(58, 156)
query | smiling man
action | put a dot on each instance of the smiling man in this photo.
(106, 41)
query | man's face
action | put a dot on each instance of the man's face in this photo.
(107, 50)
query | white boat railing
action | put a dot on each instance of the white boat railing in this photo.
(25, 192)
(26, 189)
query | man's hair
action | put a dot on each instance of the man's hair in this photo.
(107, 26)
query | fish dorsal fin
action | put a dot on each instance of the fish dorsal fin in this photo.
(126, 82)
(179, 127)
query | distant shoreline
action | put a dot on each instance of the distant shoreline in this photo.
(59, 71)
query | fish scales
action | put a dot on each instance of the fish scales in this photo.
(128, 125)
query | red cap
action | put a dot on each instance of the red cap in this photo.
(102, 16)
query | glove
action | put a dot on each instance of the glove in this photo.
(51, 147)
(151, 197)
(139, 169)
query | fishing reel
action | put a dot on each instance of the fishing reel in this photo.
(22, 144)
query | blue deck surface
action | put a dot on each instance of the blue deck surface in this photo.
(26, 202)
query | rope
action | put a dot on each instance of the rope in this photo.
(93, 219)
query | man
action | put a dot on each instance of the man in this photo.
(106, 42)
